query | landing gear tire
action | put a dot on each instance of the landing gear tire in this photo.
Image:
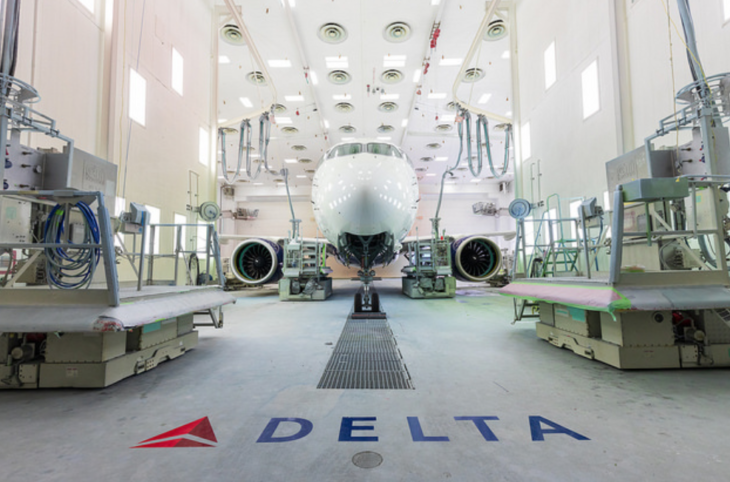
(375, 302)
(358, 303)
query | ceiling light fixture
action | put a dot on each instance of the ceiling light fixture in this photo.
(294, 98)
(246, 102)
(283, 120)
(341, 97)
(389, 96)
(383, 138)
(417, 75)
(450, 62)
(505, 54)
(224, 59)
(290, 161)
(279, 64)
(440, 159)
(313, 75)
(336, 62)
(437, 95)
(484, 98)
(404, 123)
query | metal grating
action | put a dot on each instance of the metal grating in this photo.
(366, 357)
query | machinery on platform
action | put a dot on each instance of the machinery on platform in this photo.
(64, 319)
(661, 298)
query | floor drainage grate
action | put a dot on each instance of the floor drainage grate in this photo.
(366, 357)
(367, 460)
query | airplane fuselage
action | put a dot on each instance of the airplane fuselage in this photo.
(365, 200)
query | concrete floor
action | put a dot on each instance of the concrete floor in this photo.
(465, 360)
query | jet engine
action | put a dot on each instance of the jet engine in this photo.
(475, 258)
(257, 261)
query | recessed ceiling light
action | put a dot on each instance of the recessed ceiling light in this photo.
(279, 64)
(389, 96)
(258, 184)
(326, 124)
(417, 75)
(294, 98)
(342, 97)
(246, 102)
(394, 60)
(224, 59)
(484, 98)
(476, 180)
(430, 174)
(450, 62)
(505, 54)
(313, 75)
(508, 113)
(404, 123)
(383, 138)
(292, 3)
(290, 161)
(221, 121)
(336, 62)
(441, 159)
(435, 2)
(437, 95)
(301, 176)
(448, 118)
(283, 120)
(348, 139)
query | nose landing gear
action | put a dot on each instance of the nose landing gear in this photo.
(367, 300)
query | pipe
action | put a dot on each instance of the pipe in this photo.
(472, 50)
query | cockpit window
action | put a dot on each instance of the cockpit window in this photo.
(383, 149)
(345, 150)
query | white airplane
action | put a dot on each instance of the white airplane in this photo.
(365, 199)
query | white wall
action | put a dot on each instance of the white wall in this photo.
(573, 151)
(80, 64)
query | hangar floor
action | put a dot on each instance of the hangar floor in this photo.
(464, 359)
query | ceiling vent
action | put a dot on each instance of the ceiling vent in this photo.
(348, 129)
(339, 77)
(289, 130)
(231, 34)
(279, 109)
(256, 77)
(496, 30)
(433, 145)
(472, 75)
(391, 76)
(462, 168)
(278, 180)
(420, 169)
(229, 130)
(344, 107)
(332, 33)
(310, 171)
(385, 128)
(426, 159)
(388, 107)
(397, 32)
(452, 106)
(444, 127)
(305, 161)
(299, 147)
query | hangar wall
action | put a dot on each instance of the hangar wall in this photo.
(630, 40)
(79, 61)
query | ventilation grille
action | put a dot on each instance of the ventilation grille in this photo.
(279, 109)
(339, 77)
(289, 130)
(397, 32)
(348, 129)
(344, 107)
(388, 107)
(366, 357)
(231, 34)
(433, 145)
(299, 147)
(391, 76)
(497, 30)
(332, 33)
(256, 77)
(472, 75)
(305, 161)
(444, 127)
(385, 128)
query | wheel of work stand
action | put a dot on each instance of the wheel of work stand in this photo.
(375, 302)
(358, 303)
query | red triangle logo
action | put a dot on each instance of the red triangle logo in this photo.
(199, 428)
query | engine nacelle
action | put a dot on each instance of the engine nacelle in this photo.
(475, 258)
(257, 261)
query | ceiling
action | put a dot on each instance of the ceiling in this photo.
(291, 33)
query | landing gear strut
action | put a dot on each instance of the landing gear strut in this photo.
(367, 300)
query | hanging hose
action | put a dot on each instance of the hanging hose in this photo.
(244, 144)
(483, 124)
(447, 172)
(71, 268)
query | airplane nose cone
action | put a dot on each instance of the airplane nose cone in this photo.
(368, 198)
